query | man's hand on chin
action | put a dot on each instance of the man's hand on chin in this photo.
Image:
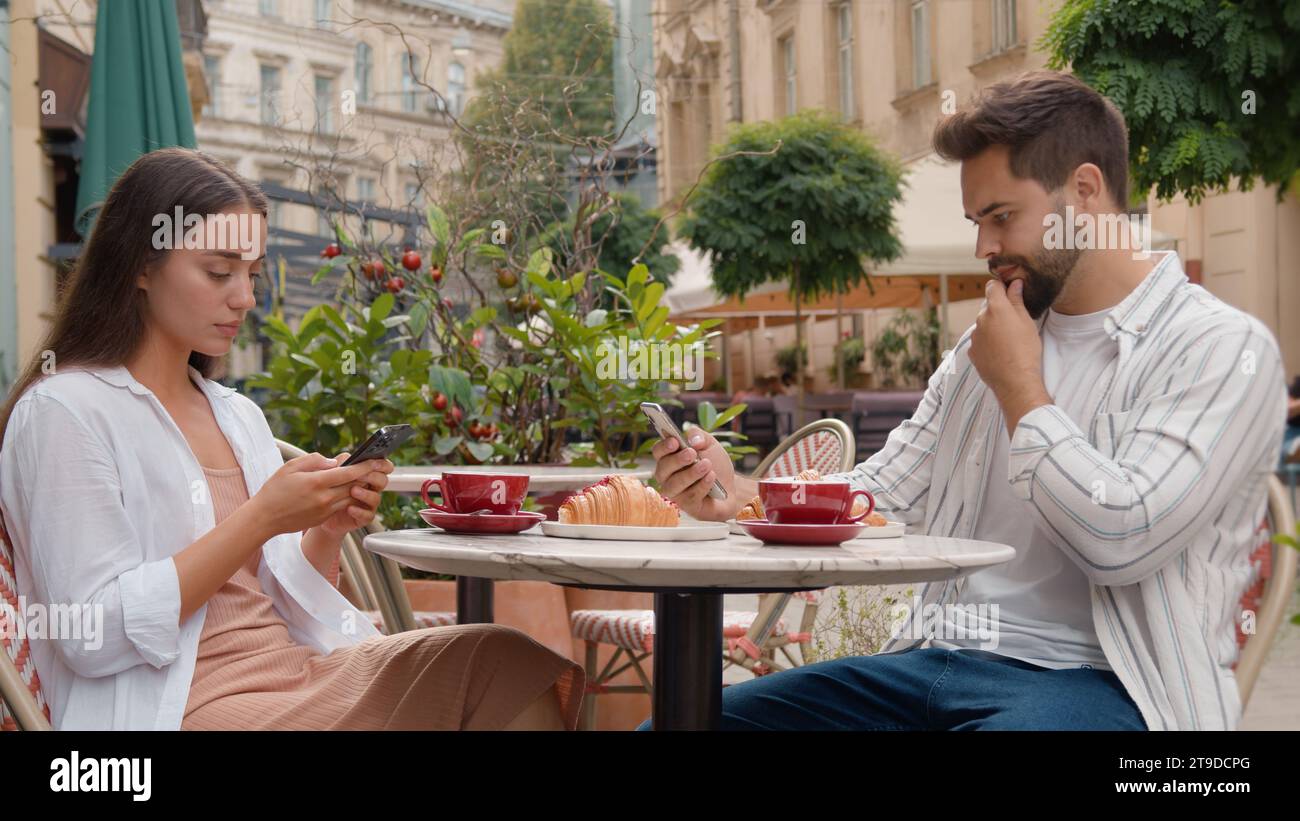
(1007, 352)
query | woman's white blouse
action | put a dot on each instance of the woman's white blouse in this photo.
(99, 489)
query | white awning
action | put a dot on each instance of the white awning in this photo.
(937, 239)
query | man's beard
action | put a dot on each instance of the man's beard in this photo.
(1044, 277)
(1046, 274)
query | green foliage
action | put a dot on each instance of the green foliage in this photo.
(568, 355)
(1183, 72)
(530, 373)
(345, 372)
(856, 621)
(785, 358)
(852, 351)
(542, 113)
(1292, 542)
(559, 60)
(621, 233)
(907, 351)
(712, 421)
(809, 212)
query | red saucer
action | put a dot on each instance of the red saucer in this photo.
(481, 522)
(824, 535)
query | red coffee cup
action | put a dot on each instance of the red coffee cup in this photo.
(501, 493)
(787, 501)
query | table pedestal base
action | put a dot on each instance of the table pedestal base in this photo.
(688, 661)
(474, 600)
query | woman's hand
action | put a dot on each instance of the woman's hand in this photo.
(365, 495)
(310, 490)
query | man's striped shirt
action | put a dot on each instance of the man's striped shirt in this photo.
(1157, 497)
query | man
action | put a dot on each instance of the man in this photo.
(1113, 422)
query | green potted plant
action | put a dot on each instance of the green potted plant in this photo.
(852, 352)
(786, 358)
(907, 351)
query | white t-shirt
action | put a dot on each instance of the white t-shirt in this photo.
(1044, 613)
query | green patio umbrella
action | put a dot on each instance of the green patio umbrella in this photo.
(138, 98)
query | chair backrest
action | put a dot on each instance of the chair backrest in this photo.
(825, 446)
(876, 414)
(758, 422)
(22, 704)
(1270, 593)
(785, 406)
(691, 401)
(376, 580)
(833, 401)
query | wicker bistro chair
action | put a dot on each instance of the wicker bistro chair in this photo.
(22, 704)
(375, 582)
(370, 579)
(876, 414)
(758, 423)
(753, 638)
(1273, 568)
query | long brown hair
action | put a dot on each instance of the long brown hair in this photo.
(100, 320)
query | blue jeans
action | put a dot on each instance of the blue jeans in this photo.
(930, 689)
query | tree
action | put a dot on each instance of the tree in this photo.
(559, 59)
(1208, 90)
(809, 212)
(540, 124)
(621, 233)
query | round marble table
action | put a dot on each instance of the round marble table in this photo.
(474, 595)
(688, 580)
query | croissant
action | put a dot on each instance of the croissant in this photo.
(754, 510)
(619, 500)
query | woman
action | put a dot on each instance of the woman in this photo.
(153, 502)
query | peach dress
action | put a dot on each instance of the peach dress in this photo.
(251, 675)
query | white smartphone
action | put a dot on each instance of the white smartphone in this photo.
(666, 429)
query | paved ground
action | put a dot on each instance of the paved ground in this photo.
(1274, 705)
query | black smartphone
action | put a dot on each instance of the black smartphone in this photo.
(381, 443)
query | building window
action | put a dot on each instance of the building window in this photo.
(410, 86)
(212, 73)
(269, 8)
(366, 189)
(324, 103)
(363, 70)
(270, 95)
(844, 20)
(323, 8)
(456, 88)
(920, 43)
(274, 208)
(366, 194)
(788, 69)
(1004, 24)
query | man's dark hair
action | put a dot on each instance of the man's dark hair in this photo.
(1051, 122)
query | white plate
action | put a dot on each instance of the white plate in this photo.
(689, 532)
(889, 530)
